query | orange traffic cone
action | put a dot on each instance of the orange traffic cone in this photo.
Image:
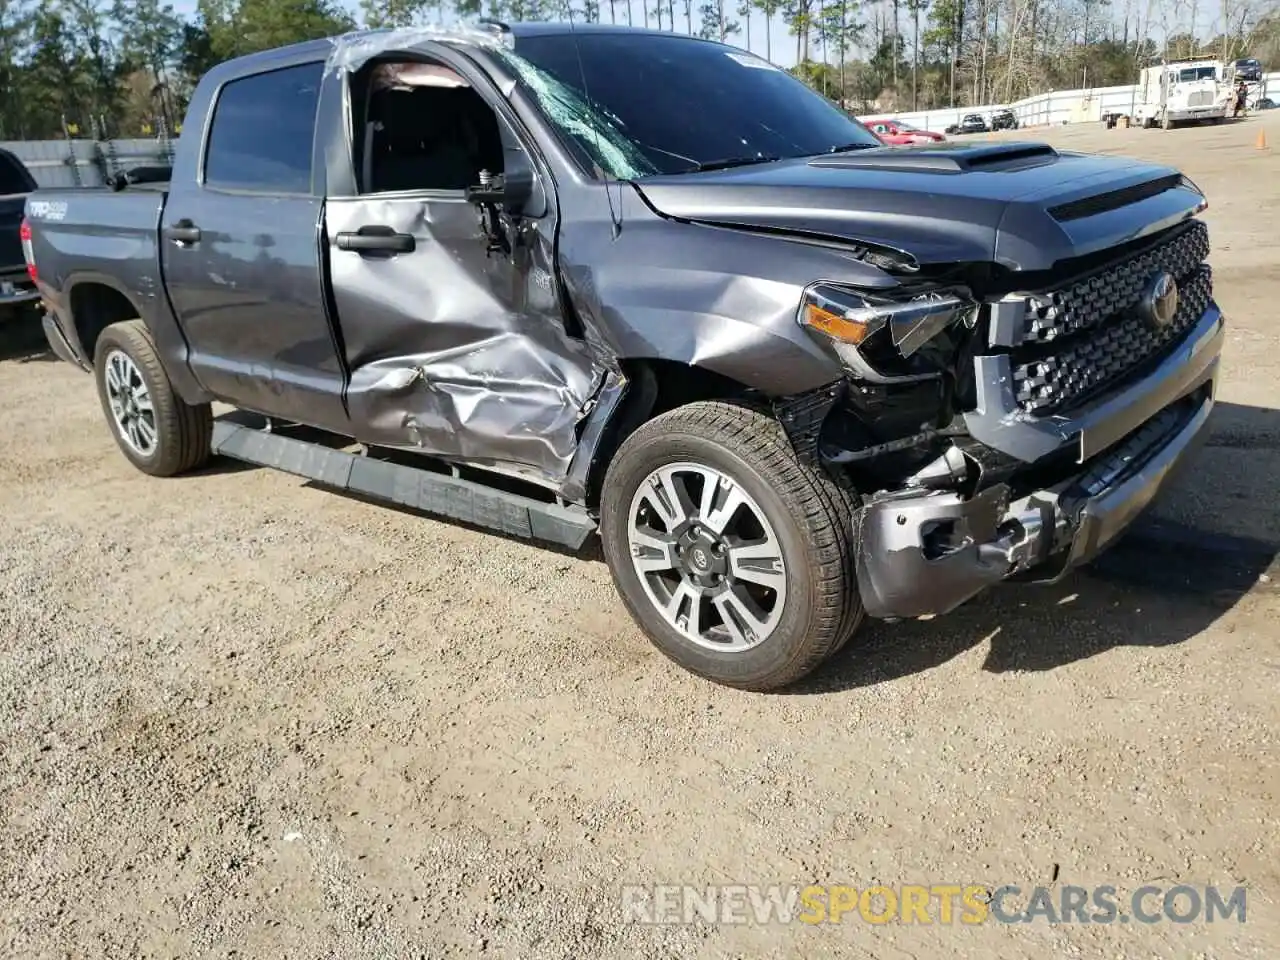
(1261, 143)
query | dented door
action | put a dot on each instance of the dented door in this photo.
(455, 348)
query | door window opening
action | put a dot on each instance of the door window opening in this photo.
(425, 128)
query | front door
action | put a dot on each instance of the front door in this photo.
(452, 325)
(241, 254)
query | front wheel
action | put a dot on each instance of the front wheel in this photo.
(160, 433)
(733, 556)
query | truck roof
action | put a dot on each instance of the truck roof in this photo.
(483, 32)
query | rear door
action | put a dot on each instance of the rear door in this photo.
(15, 184)
(241, 252)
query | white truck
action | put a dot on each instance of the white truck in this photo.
(1181, 91)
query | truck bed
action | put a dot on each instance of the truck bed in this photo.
(94, 230)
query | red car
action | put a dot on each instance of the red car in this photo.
(899, 134)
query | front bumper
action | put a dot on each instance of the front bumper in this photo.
(1199, 113)
(925, 552)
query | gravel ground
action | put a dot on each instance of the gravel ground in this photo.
(244, 716)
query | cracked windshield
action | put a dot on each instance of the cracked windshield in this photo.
(634, 119)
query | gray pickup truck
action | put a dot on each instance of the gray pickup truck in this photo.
(17, 291)
(553, 280)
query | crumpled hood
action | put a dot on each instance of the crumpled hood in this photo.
(1022, 205)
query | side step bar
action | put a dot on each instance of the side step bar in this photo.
(440, 494)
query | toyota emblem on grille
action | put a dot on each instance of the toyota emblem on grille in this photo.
(1160, 301)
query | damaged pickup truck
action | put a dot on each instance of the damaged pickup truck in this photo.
(551, 280)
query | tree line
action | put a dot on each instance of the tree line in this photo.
(125, 68)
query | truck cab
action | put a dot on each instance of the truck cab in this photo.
(1182, 91)
(515, 276)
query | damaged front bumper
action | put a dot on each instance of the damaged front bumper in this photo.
(923, 552)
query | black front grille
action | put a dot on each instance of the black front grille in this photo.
(1089, 300)
(1089, 335)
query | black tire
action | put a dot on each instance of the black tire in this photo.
(183, 432)
(813, 517)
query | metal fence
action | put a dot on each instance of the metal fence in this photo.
(1053, 109)
(75, 162)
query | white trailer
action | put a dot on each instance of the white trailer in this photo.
(1182, 91)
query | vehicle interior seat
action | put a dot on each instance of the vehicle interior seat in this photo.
(431, 138)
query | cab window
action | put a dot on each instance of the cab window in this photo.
(262, 130)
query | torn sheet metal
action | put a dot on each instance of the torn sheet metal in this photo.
(456, 352)
(351, 51)
(509, 403)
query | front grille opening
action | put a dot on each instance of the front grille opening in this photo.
(1111, 466)
(1128, 456)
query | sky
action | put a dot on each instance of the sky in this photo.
(782, 45)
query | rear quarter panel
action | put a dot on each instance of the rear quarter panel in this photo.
(95, 231)
(98, 236)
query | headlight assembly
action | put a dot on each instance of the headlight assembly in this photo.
(878, 337)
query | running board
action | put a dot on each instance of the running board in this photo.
(436, 493)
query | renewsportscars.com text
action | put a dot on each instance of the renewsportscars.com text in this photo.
(928, 904)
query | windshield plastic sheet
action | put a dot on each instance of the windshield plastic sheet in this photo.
(351, 51)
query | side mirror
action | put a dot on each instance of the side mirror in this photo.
(518, 191)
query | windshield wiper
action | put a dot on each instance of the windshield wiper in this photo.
(859, 145)
(725, 162)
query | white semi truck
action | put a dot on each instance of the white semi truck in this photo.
(1183, 90)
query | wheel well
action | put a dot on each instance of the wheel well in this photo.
(655, 386)
(680, 383)
(94, 307)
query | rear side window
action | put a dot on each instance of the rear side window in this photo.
(12, 178)
(262, 129)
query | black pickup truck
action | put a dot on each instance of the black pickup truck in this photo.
(550, 280)
(16, 289)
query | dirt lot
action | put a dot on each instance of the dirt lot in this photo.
(243, 716)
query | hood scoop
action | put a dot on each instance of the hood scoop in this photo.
(943, 158)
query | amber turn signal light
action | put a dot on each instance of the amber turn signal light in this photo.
(840, 327)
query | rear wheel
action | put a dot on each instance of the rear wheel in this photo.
(733, 557)
(160, 433)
